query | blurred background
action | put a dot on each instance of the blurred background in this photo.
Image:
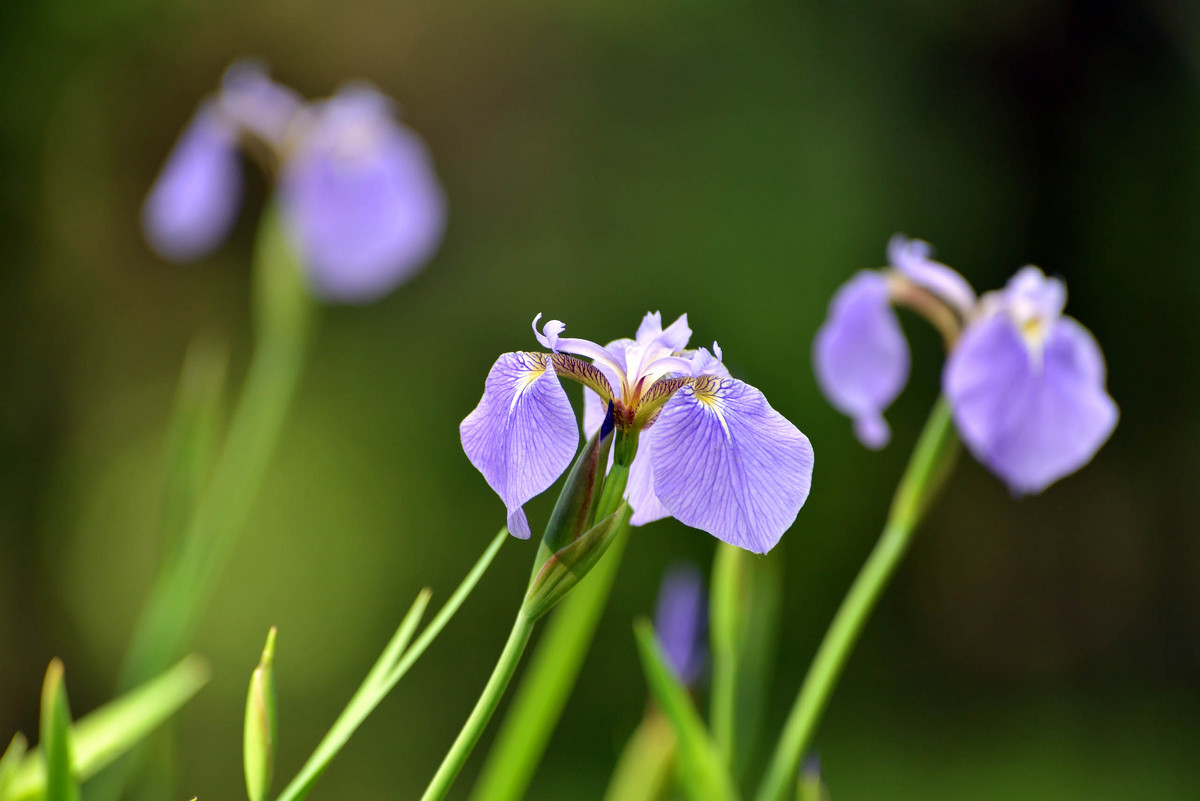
(734, 161)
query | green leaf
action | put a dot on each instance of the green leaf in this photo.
(701, 769)
(261, 728)
(191, 437)
(647, 762)
(10, 761)
(103, 735)
(361, 704)
(55, 738)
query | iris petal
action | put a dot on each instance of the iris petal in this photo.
(914, 258)
(1030, 420)
(860, 355)
(195, 198)
(523, 434)
(724, 461)
(362, 198)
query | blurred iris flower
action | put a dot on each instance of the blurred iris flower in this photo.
(357, 189)
(710, 450)
(681, 621)
(1026, 383)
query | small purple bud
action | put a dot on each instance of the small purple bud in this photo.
(680, 621)
(361, 196)
(195, 199)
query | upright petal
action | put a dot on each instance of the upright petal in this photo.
(860, 355)
(914, 258)
(724, 461)
(1030, 420)
(362, 198)
(252, 102)
(523, 433)
(195, 199)
(653, 343)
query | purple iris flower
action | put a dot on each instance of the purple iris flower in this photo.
(680, 621)
(358, 189)
(1026, 384)
(195, 199)
(361, 196)
(711, 452)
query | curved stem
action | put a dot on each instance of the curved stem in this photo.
(489, 699)
(922, 478)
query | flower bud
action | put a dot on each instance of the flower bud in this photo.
(576, 505)
(261, 724)
(562, 571)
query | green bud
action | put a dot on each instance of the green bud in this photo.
(562, 571)
(576, 505)
(261, 724)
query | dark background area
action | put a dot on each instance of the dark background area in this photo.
(735, 161)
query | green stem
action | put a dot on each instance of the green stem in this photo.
(725, 622)
(555, 665)
(506, 665)
(188, 580)
(922, 478)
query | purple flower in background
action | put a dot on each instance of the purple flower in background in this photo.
(1026, 384)
(681, 620)
(192, 206)
(361, 196)
(711, 451)
(358, 189)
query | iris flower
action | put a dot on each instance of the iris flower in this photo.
(1025, 382)
(357, 189)
(711, 452)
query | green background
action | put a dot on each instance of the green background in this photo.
(734, 161)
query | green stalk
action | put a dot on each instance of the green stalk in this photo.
(489, 699)
(926, 470)
(556, 661)
(187, 581)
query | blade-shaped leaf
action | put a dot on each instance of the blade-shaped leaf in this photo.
(701, 771)
(55, 738)
(10, 762)
(101, 736)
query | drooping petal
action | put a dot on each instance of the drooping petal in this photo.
(914, 258)
(523, 433)
(860, 355)
(680, 621)
(362, 198)
(1030, 418)
(724, 461)
(195, 199)
(252, 102)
